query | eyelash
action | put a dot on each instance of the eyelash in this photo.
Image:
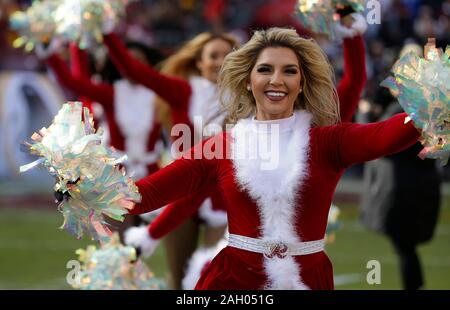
(263, 69)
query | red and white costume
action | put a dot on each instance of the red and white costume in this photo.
(349, 92)
(289, 204)
(196, 98)
(130, 113)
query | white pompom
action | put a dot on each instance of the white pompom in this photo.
(139, 237)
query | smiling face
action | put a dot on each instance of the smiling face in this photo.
(212, 57)
(275, 83)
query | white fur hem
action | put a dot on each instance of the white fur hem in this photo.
(198, 261)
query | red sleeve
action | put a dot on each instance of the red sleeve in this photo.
(177, 180)
(352, 83)
(213, 9)
(79, 62)
(102, 93)
(79, 66)
(176, 214)
(174, 90)
(343, 145)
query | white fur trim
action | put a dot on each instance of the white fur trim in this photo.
(343, 32)
(204, 108)
(139, 237)
(275, 191)
(198, 261)
(134, 112)
(214, 218)
(359, 24)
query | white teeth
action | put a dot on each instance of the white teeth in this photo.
(276, 94)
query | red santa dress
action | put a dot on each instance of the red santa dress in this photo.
(349, 92)
(282, 202)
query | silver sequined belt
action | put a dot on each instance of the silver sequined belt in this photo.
(275, 249)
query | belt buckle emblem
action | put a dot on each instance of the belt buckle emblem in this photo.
(278, 249)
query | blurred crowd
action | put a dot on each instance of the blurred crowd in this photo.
(166, 24)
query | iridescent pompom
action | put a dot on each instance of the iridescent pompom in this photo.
(35, 25)
(86, 169)
(319, 15)
(113, 267)
(82, 21)
(422, 88)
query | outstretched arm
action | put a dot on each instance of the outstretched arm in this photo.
(348, 144)
(177, 180)
(176, 214)
(102, 92)
(377, 139)
(174, 90)
(147, 238)
(352, 83)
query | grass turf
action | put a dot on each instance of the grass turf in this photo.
(34, 252)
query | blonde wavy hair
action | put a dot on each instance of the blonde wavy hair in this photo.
(184, 63)
(319, 96)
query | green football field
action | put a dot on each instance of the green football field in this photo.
(34, 252)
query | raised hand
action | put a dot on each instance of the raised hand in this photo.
(44, 51)
(350, 26)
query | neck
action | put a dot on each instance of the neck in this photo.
(263, 116)
(279, 125)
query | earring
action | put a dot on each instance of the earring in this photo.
(249, 88)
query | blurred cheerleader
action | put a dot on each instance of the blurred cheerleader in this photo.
(187, 83)
(134, 125)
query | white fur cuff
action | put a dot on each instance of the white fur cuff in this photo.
(359, 24)
(139, 237)
(358, 27)
(214, 218)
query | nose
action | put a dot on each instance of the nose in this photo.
(276, 79)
